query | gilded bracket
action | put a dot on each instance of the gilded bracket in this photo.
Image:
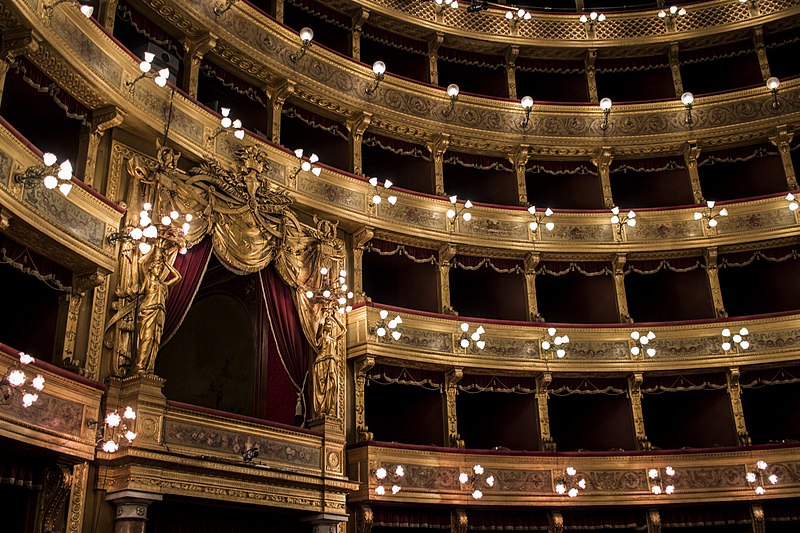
(635, 392)
(437, 147)
(619, 288)
(602, 161)
(434, 42)
(103, 119)
(710, 255)
(556, 522)
(781, 140)
(735, 395)
(358, 20)
(363, 519)
(357, 125)
(520, 161)
(451, 379)
(761, 49)
(459, 522)
(531, 263)
(591, 78)
(675, 69)
(691, 153)
(446, 253)
(277, 93)
(360, 238)
(757, 515)
(653, 521)
(195, 50)
(542, 383)
(511, 78)
(361, 368)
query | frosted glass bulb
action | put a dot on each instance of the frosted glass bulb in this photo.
(383, 314)
(306, 35)
(226, 122)
(396, 335)
(129, 413)
(452, 90)
(50, 182)
(463, 477)
(379, 67)
(526, 102)
(467, 217)
(65, 188)
(380, 473)
(16, 378)
(605, 104)
(38, 382)
(110, 446)
(379, 490)
(687, 98)
(49, 159)
(113, 419)
(25, 359)
(29, 399)
(144, 248)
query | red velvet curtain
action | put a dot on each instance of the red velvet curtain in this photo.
(192, 266)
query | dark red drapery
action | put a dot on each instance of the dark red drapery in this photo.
(192, 266)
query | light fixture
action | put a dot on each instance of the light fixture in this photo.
(118, 427)
(773, 84)
(306, 35)
(478, 5)
(620, 221)
(661, 481)
(51, 174)
(672, 12)
(476, 482)
(219, 9)
(540, 219)
(332, 290)
(641, 344)
(457, 210)
(442, 5)
(389, 478)
(527, 106)
(379, 69)
(793, 205)
(86, 10)
(757, 478)
(593, 17)
(386, 331)
(467, 339)
(226, 124)
(249, 454)
(17, 382)
(514, 16)
(687, 99)
(735, 342)
(553, 344)
(160, 77)
(166, 231)
(378, 190)
(570, 483)
(306, 165)
(710, 214)
(452, 92)
(605, 106)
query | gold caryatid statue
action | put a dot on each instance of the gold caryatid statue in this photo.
(327, 364)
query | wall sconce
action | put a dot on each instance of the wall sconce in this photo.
(772, 84)
(641, 344)
(605, 106)
(621, 221)
(306, 165)
(455, 211)
(710, 214)
(475, 337)
(226, 123)
(553, 344)
(116, 428)
(527, 106)
(477, 5)
(687, 99)
(755, 478)
(87, 10)
(249, 454)
(51, 175)
(569, 483)
(379, 69)
(475, 481)
(540, 218)
(222, 8)
(793, 205)
(377, 192)
(171, 228)
(306, 35)
(442, 5)
(392, 478)
(452, 92)
(593, 18)
(514, 16)
(661, 483)
(736, 342)
(332, 291)
(145, 67)
(382, 328)
(672, 13)
(15, 380)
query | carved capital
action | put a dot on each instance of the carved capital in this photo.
(446, 254)
(556, 522)
(279, 91)
(200, 45)
(781, 139)
(5, 218)
(691, 151)
(434, 42)
(361, 368)
(359, 19)
(18, 43)
(86, 281)
(106, 117)
(757, 514)
(358, 124)
(531, 262)
(362, 236)
(438, 146)
(452, 377)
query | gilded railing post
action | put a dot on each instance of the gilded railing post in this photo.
(712, 272)
(531, 263)
(520, 161)
(757, 515)
(619, 289)
(357, 126)
(459, 522)
(360, 239)
(675, 69)
(278, 93)
(653, 521)
(556, 522)
(602, 160)
(437, 147)
(735, 395)
(591, 78)
(195, 50)
(761, 50)
(451, 379)
(781, 140)
(103, 119)
(511, 76)
(434, 43)
(542, 383)
(358, 23)
(635, 393)
(361, 368)
(691, 152)
(446, 254)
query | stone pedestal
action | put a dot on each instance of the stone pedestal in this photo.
(131, 514)
(327, 523)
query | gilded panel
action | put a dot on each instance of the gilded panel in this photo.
(93, 56)
(713, 477)
(332, 194)
(752, 222)
(597, 350)
(49, 412)
(55, 207)
(426, 340)
(415, 216)
(654, 230)
(512, 348)
(582, 232)
(616, 481)
(487, 227)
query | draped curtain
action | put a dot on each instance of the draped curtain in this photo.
(192, 266)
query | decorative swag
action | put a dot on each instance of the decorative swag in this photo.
(29, 262)
(41, 82)
(323, 12)
(143, 26)
(737, 155)
(316, 121)
(714, 53)
(20, 472)
(757, 379)
(549, 66)
(560, 168)
(692, 382)
(677, 265)
(630, 64)
(395, 146)
(628, 519)
(499, 265)
(651, 165)
(772, 255)
(475, 383)
(508, 520)
(474, 59)
(411, 518)
(585, 268)
(374, 33)
(394, 375)
(418, 255)
(705, 515)
(570, 386)
(480, 162)
(232, 82)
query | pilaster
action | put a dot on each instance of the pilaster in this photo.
(757, 515)
(619, 289)
(735, 395)
(653, 521)
(327, 523)
(691, 153)
(712, 271)
(79, 491)
(361, 368)
(520, 161)
(131, 510)
(761, 50)
(363, 519)
(635, 393)
(194, 50)
(511, 76)
(437, 147)
(675, 69)
(278, 93)
(781, 140)
(434, 42)
(357, 125)
(591, 77)
(144, 393)
(360, 238)
(446, 254)
(279, 10)
(103, 119)
(531, 263)
(358, 21)
(602, 161)
(451, 379)
(108, 14)
(542, 383)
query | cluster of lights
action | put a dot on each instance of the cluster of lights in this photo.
(306, 36)
(569, 483)
(540, 219)
(479, 478)
(452, 92)
(605, 106)
(378, 69)
(86, 10)
(227, 123)
(387, 330)
(145, 67)
(793, 205)
(661, 484)
(441, 5)
(593, 17)
(117, 428)
(628, 219)
(527, 105)
(306, 165)
(555, 343)
(756, 479)
(455, 211)
(377, 191)
(387, 478)
(672, 12)
(334, 289)
(52, 175)
(515, 15)
(16, 381)
(710, 214)
(641, 344)
(468, 338)
(173, 227)
(735, 341)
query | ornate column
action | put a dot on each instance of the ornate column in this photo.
(542, 383)
(675, 69)
(446, 254)
(520, 161)
(556, 522)
(781, 140)
(653, 521)
(761, 49)
(691, 152)
(619, 289)
(14, 44)
(81, 284)
(712, 272)
(531, 263)
(602, 161)
(451, 379)
(437, 147)
(361, 368)
(51, 503)
(459, 522)
(278, 93)
(735, 395)
(591, 78)
(434, 42)
(357, 125)
(279, 10)
(635, 393)
(511, 76)
(108, 14)
(358, 21)
(131, 514)
(79, 490)
(757, 515)
(103, 119)
(360, 238)
(194, 51)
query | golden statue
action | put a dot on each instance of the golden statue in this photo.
(326, 364)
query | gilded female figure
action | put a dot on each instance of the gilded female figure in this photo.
(326, 365)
